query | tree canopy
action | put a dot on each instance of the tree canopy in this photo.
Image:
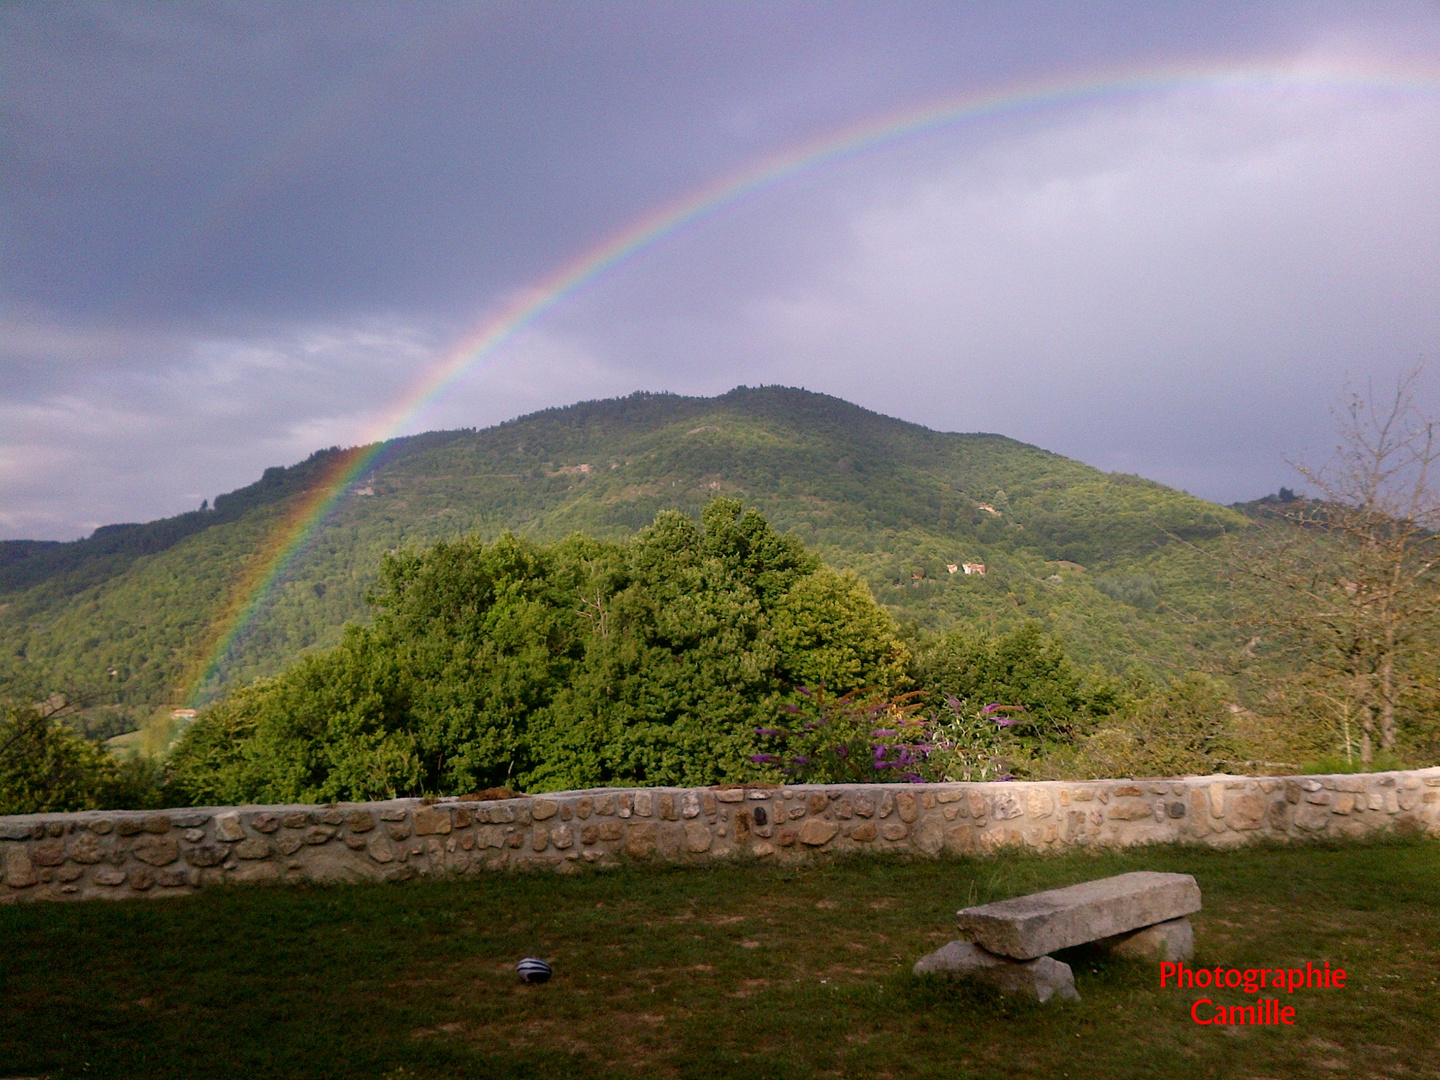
(550, 666)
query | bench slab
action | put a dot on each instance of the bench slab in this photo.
(1031, 926)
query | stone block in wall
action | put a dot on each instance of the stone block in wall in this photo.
(1129, 811)
(1248, 812)
(227, 827)
(1038, 803)
(18, 870)
(865, 832)
(906, 807)
(928, 837)
(1216, 791)
(86, 848)
(156, 850)
(48, 853)
(1005, 806)
(205, 855)
(961, 839)
(380, 848)
(817, 832)
(698, 838)
(253, 847)
(640, 840)
(435, 821)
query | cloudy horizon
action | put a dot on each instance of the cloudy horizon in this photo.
(234, 235)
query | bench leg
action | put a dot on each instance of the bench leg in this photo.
(1171, 940)
(1039, 980)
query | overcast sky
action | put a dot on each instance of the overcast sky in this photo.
(234, 233)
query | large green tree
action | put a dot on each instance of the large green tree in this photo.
(554, 666)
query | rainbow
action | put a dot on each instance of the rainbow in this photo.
(301, 520)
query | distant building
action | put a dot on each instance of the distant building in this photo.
(952, 567)
(183, 714)
(974, 568)
(987, 508)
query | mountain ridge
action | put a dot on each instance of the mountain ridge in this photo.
(114, 614)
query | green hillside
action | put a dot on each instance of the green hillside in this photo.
(1094, 557)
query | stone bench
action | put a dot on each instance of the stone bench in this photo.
(1143, 915)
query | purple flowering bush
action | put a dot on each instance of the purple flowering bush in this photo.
(974, 743)
(866, 737)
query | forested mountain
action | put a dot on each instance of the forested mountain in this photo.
(1114, 564)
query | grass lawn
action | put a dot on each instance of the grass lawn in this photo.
(729, 971)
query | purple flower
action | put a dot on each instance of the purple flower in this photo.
(801, 759)
(802, 690)
(953, 702)
(792, 708)
(882, 733)
(768, 731)
(763, 759)
(1005, 721)
(992, 707)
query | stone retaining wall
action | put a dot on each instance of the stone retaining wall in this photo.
(114, 854)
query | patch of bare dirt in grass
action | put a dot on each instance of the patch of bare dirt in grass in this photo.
(748, 987)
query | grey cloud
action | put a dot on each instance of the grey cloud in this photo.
(237, 233)
(1176, 286)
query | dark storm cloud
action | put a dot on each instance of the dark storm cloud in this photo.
(233, 233)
